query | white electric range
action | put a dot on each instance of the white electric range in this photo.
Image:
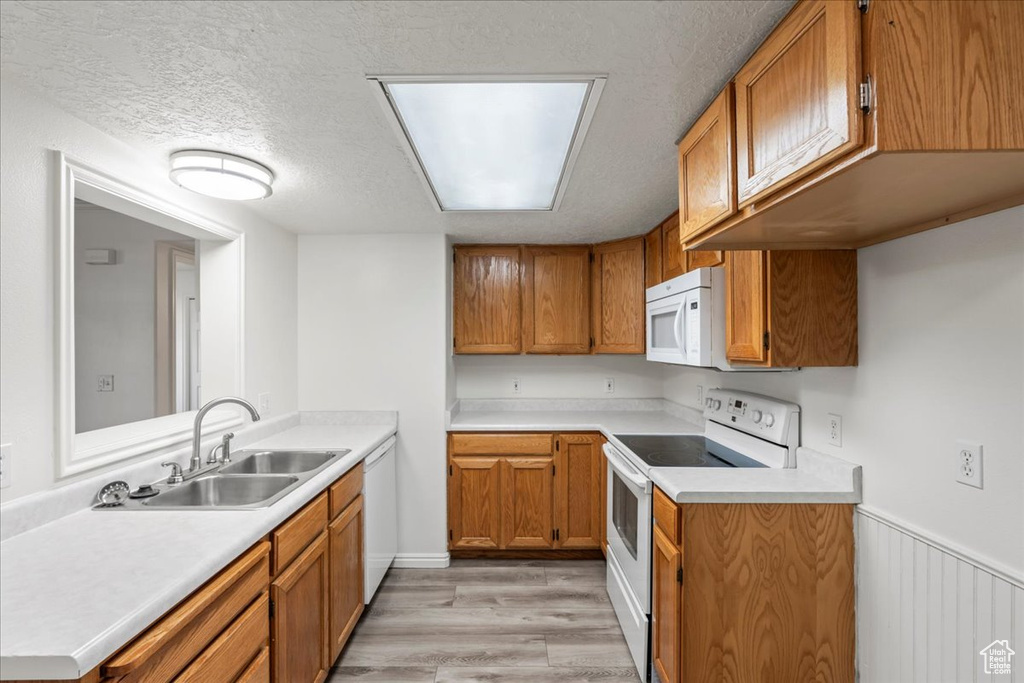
(742, 430)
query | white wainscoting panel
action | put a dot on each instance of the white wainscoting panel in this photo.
(924, 611)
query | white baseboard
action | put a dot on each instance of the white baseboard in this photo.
(421, 560)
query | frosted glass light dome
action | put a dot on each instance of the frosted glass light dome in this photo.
(220, 175)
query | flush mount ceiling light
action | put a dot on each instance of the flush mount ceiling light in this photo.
(224, 176)
(492, 143)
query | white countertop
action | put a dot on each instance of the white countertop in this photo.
(72, 592)
(818, 478)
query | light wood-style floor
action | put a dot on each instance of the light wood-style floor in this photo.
(499, 621)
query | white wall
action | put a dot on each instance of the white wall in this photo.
(29, 128)
(115, 318)
(557, 376)
(373, 335)
(941, 358)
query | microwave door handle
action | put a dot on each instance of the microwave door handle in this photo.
(677, 325)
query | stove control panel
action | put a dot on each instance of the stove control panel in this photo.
(763, 416)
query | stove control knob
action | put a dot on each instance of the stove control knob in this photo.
(756, 416)
(769, 420)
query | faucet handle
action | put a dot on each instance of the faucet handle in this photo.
(225, 447)
(176, 476)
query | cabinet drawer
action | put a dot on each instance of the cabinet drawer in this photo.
(501, 444)
(258, 670)
(292, 537)
(175, 640)
(666, 515)
(234, 649)
(345, 490)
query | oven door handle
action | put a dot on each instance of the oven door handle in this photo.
(625, 470)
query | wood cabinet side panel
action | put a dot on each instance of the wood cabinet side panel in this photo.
(652, 258)
(673, 262)
(812, 308)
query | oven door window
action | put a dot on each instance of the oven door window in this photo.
(625, 507)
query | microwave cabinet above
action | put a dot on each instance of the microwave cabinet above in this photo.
(542, 299)
(848, 128)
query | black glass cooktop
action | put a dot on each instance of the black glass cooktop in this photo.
(689, 450)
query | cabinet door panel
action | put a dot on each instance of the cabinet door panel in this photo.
(346, 560)
(617, 281)
(578, 464)
(526, 511)
(299, 627)
(707, 168)
(556, 300)
(652, 257)
(666, 603)
(704, 259)
(745, 304)
(673, 258)
(796, 98)
(486, 300)
(474, 508)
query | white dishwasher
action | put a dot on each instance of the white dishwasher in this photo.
(380, 503)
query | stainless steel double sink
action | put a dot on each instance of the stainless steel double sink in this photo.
(256, 479)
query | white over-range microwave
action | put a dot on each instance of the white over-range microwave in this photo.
(686, 320)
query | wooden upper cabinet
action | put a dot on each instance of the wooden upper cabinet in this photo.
(527, 519)
(578, 467)
(704, 259)
(486, 300)
(652, 258)
(673, 263)
(556, 299)
(474, 504)
(746, 324)
(707, 168)
(791, 308)
(617, 297)
(797, 98)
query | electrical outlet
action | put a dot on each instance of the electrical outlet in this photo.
(700, 396)
(969, 463)
(104, 383)
(835, 430)
(517, 387)
(264, 401)
(609, 385)
(6, 451)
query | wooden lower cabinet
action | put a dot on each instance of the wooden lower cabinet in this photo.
(474, 502)
(525, 492)
(579, 465)
(345, 546)
(300, 620)
(765, 593)
(667, 603)
(232, 651)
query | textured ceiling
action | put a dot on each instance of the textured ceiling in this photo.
(284, 83)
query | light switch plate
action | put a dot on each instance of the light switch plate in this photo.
(104, 383)
(609, 385)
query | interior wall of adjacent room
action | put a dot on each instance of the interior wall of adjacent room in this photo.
(374, 335)
(30, 128)
(557, 376)
(941, 326)
(115, 318)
